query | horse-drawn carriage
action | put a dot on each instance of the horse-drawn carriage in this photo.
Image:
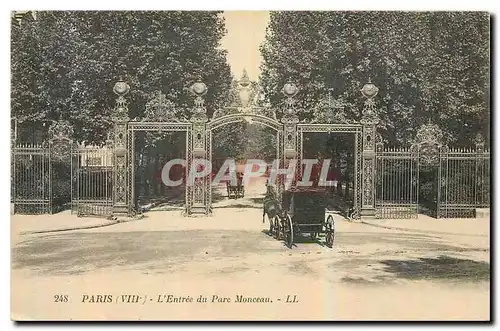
(300, 211)
(238, 190)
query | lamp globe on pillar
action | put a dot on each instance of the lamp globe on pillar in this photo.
(290, 89)
(199, 88)
(369, 90)
(121, 88)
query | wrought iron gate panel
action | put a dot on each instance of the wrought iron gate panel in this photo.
(457, 184)
(280, 157)
(209, 187)
(300, 151)
(189, 161)
(92, 181)
(132, 208)
(482, 178)
(396, 190)
(31, 172)
(42, 177)
(358, 143)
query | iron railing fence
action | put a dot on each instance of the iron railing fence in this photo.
(93, 181)
(30, 179)
(464, 182)
(50, 177)
(396, 183)
(452, 187)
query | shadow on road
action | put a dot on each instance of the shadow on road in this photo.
(77, 253)
(442, 267)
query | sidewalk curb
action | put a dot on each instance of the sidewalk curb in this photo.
(421, 231)
(93, 226)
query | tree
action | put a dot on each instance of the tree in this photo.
(64, 65)
(243, 140)
(428, 65)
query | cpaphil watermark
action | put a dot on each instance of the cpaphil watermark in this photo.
(312, 172)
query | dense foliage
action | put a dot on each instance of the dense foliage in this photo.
(64, 65)
(427, 65)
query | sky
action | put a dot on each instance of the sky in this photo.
(246, 30)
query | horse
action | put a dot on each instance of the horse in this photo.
(271, 208)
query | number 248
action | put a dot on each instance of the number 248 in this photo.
(61, 298)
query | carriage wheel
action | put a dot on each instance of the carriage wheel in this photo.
(329, 231)
(288, 226)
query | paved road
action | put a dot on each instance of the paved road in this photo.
(389, 255)
(371, 273)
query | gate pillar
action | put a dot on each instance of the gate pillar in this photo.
(198, 197)
(482, 178)
(120, 170)
(290, 120)
(369, 120)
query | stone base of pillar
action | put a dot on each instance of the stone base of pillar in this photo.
(120, 210)
(200, 210)
(367, 213)
(482, 212)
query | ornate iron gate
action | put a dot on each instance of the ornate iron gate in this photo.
(198, 136)
(31, 179)
(396, 192)
(42, 174)
(429, 178)
(93, 180)
(464, 182)
(482, 174)
(388, 183)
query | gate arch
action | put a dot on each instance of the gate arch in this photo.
(240, 117)
(222, 121)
